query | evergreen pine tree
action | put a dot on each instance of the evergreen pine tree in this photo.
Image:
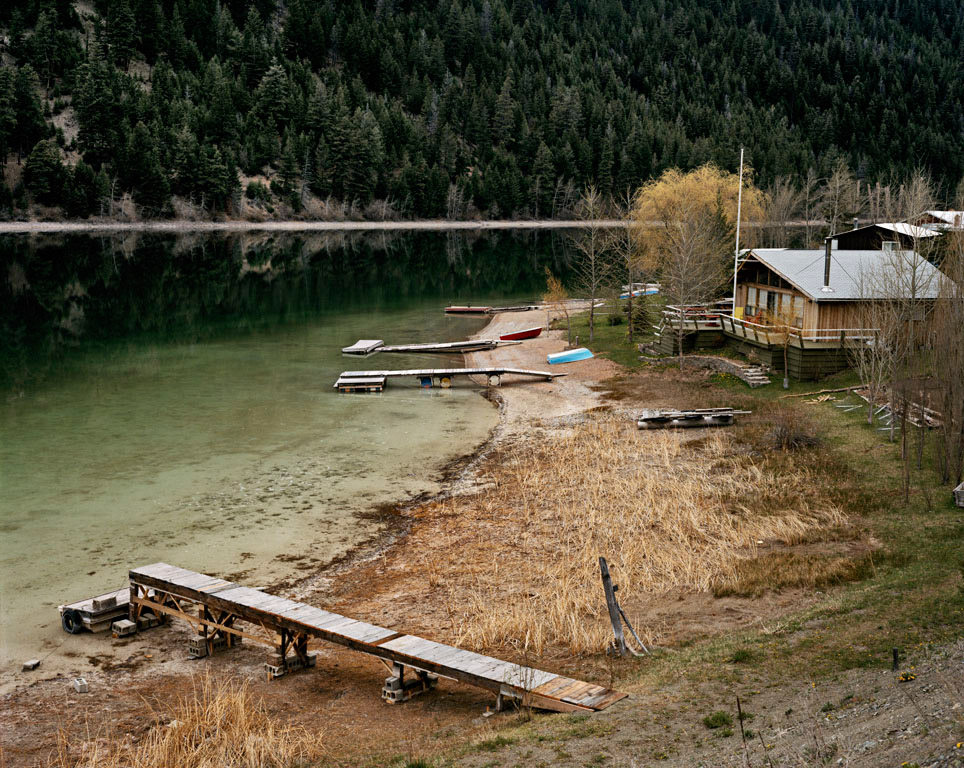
(44, 174)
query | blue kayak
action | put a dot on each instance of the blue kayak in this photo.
(569, 356)
(640, 292)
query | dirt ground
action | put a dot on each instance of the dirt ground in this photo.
(863, 718)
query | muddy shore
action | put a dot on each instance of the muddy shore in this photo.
(390, 582)
(152, 667)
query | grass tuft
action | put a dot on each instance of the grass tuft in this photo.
(218, 724)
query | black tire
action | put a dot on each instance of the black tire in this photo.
(71, 622)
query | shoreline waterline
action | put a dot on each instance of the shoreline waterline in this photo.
(176, 226)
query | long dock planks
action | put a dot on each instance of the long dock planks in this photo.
(365, 347)
(160, 586)
(353, 381)
(422, 372)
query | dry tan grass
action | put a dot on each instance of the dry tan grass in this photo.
(219, 724)
(665, 510)
(774, 570)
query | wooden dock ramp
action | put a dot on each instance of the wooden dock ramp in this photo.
(431, 377)
(215, 606)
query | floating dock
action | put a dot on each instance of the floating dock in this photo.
(215, 607)
(94, 614)
(470, 310)
(365, 347)
(700, 417)
(351, 381)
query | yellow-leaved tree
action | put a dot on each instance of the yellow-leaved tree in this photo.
(685, 225)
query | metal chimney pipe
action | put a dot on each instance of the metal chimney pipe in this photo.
(826, 264)
(856, 222)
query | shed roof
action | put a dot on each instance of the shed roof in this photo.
(898, 227)
(848, 270)
(953, 218)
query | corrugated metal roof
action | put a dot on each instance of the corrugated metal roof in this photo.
(954, 218)
(854, 275)
(908, 229)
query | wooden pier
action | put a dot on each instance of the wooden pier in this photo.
(365, 347)
(483, 310)
(352, 381)
(215, 607)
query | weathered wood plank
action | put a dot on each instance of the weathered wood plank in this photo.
(534, 686)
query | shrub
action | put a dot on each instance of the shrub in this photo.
(257, 191)
(718, 719)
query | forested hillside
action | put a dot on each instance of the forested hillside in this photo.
(461, 107)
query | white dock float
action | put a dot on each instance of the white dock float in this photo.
(362, 347)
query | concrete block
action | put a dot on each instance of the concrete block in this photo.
(123, 628)
(80, 685)
(31, 665)
(103, 603)
(147, 621)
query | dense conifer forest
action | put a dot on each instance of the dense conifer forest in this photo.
(460, 107)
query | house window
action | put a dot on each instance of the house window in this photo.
(750, 308)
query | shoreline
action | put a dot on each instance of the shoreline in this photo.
(187, 226)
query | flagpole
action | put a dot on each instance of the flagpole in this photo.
(736, 253)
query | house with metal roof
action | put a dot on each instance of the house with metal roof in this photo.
(941, 220)
(897, 234)
(805, 306)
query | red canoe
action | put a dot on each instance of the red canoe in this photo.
(468, 310)
(528, 333)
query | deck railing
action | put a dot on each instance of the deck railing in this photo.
(768, 334)
(708, 317)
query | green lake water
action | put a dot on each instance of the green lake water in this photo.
(171, 399)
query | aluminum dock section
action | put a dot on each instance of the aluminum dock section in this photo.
(365, 347)
(218, 605)
(429, 377)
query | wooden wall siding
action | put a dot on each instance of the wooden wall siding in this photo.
(692, 341)
(804, 365)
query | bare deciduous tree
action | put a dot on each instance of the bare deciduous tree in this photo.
(948, 327)
(690, 263)
(556, 300)
(840, 198)
(784, 203)
(593, 265)
(624, 242)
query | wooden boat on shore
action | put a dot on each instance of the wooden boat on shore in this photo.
(468, 310)
(528, 333)
(569, 356)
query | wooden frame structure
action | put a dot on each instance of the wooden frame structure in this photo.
(219, 605)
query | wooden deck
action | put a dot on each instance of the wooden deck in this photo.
(220, 604)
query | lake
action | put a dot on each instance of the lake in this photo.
(170, 398)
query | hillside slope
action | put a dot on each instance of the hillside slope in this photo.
(459, 107)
